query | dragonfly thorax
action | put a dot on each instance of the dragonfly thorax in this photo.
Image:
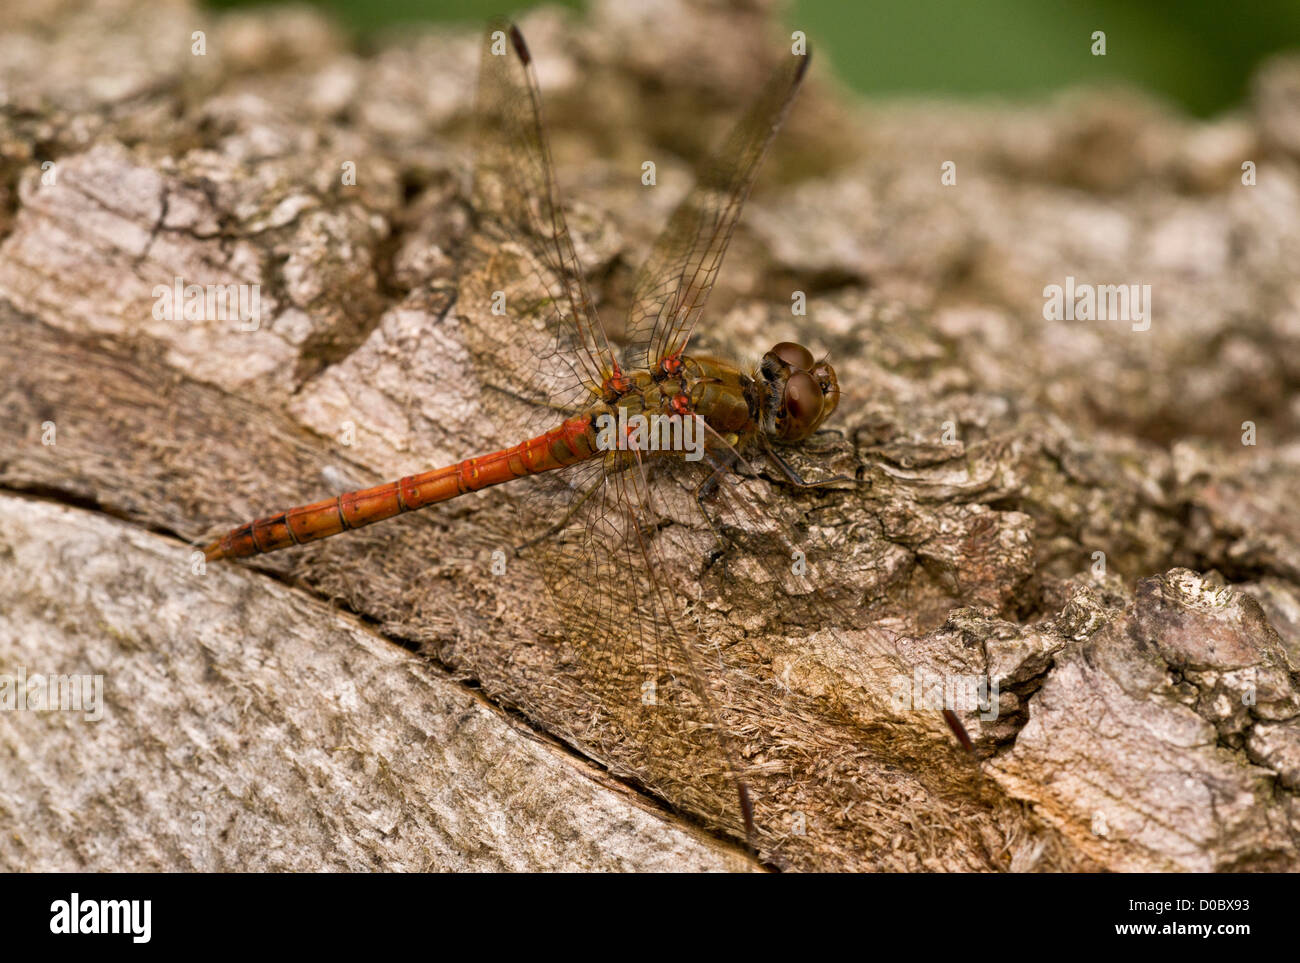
(714, 390)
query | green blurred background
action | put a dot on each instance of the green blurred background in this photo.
(1197, 53)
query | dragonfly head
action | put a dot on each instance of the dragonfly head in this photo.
(802, 392)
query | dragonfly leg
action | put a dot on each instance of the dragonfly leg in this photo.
(706, 489)
(795, 478)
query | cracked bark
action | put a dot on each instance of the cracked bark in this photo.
(1148, 702)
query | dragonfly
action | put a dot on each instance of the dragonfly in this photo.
(636, 463)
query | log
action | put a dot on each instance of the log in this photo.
(1074, 511)
(246, 726)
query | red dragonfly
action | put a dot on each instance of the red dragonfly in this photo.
(625, 532)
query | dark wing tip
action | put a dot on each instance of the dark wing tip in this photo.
(521, 48)
(958, 730)
(747, 813)
(805, 59)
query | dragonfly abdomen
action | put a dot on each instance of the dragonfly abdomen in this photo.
(571, 442)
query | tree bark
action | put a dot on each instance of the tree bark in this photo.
(1073, 510)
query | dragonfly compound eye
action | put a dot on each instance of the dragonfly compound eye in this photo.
(802, 403)
(795, 355)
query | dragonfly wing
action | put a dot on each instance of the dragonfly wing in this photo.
(528, 315)
(792, 561)
(689, 654)
(674, 284)
(625, 606)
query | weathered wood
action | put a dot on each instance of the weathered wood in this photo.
(1147, 711)
(246, 726)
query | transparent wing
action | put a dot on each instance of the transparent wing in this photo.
(528, 315)
(618, 568)
(789, 555)
(674, 283)
(620, 609)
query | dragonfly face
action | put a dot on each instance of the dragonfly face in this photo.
(801, 392)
